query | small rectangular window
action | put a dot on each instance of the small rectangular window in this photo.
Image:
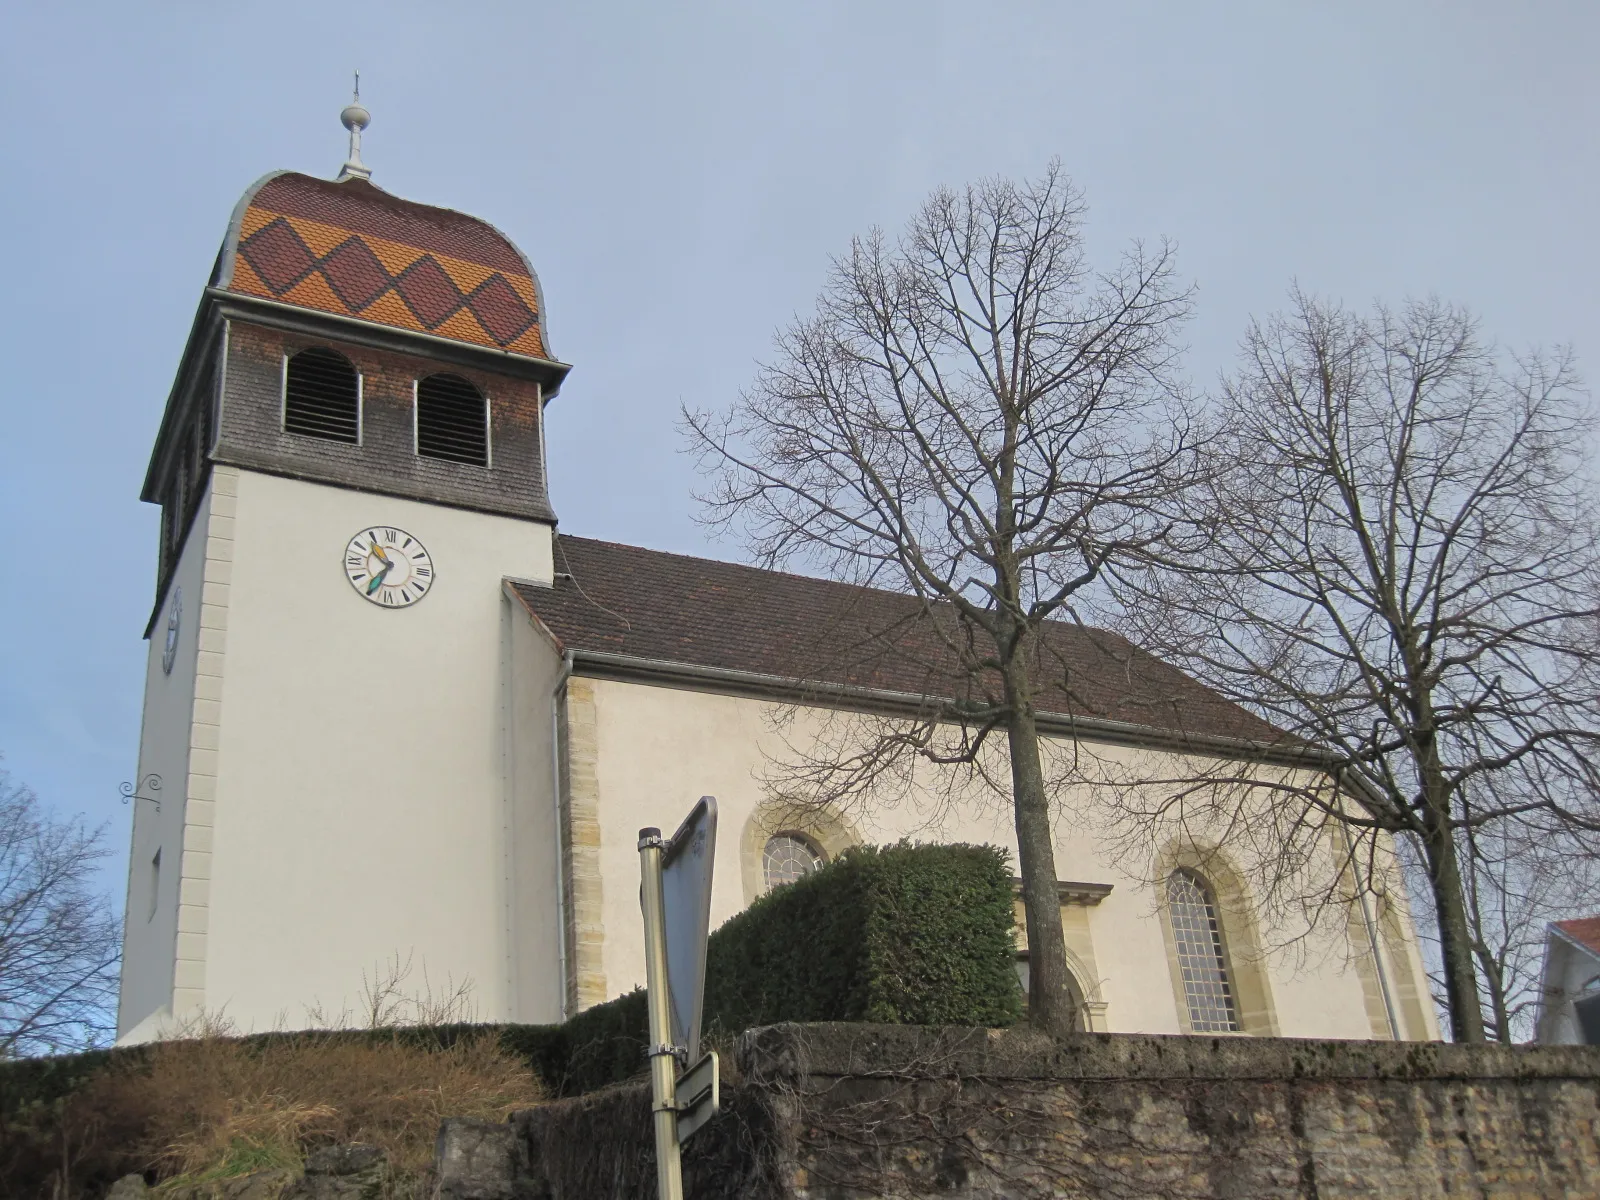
(155, 885)
(204, 409)
(169, 536)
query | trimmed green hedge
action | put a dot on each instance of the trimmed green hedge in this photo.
(908, 935)
(911, 935)
(601, 1045)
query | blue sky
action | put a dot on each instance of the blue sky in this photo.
(679, 176)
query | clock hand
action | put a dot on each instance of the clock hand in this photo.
(388, 565)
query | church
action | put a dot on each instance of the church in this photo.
(392, 715)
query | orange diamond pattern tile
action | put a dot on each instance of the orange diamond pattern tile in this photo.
(317, 263)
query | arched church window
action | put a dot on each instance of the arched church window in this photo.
(452, 420)
(1207, 985)
(789, 857)
(322, 396)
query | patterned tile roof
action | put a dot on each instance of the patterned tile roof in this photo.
(353, 249)
(1585, 931)
(699, 612)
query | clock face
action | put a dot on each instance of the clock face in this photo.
(169, 654)
(388, 566)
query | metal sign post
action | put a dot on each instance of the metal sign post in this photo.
(675, 893)
(663, 1061)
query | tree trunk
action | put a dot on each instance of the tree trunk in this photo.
(1502, 1015)
(1494, 982)
(1455, 939)
(1050, 1005)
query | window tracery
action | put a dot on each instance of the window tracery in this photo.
(1202, 959)
(788, 857)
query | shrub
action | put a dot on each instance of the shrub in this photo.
(213, 1107)
(902, 934)
(909, 935)
(601, 1045)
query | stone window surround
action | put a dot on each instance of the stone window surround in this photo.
(1084, 978)
(1241, 942)
(828, 831)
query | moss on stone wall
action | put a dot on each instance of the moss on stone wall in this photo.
(851, 1111)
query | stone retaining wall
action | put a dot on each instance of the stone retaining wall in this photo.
(841, 1112)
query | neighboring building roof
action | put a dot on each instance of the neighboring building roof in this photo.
(670, 608)
(352, 249)
(1585, 931)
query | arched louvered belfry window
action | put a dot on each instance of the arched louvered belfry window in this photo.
(322, 396)
(1196, 929)
(452, 420)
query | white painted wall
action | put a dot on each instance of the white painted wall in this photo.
(151, 922)
(1569, 969)
(659, 749)
(346, 784)
(532, 851)
(360, 807)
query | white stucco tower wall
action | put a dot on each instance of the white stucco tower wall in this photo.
(359, 768)
(339, 801)
(173, 784)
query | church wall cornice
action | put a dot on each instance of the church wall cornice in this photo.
(625, 668)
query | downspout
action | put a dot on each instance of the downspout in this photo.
(1372, 934)
(561, 850)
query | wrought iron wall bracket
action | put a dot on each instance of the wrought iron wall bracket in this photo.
(143, 790)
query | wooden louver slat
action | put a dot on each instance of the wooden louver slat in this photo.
(452, 421)
(322, 396)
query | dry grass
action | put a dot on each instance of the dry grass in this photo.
(214, 1106)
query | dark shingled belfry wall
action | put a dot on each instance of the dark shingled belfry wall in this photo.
(251, 429)
(846, 1112)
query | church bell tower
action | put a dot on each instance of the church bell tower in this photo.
(350, 464)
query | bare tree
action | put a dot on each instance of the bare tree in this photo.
(1517, 877)
(975, 418)
(59, 942)
(1401, 572)
(387, 1002)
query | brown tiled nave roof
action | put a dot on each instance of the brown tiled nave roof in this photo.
(353, 249)
(698, 612)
